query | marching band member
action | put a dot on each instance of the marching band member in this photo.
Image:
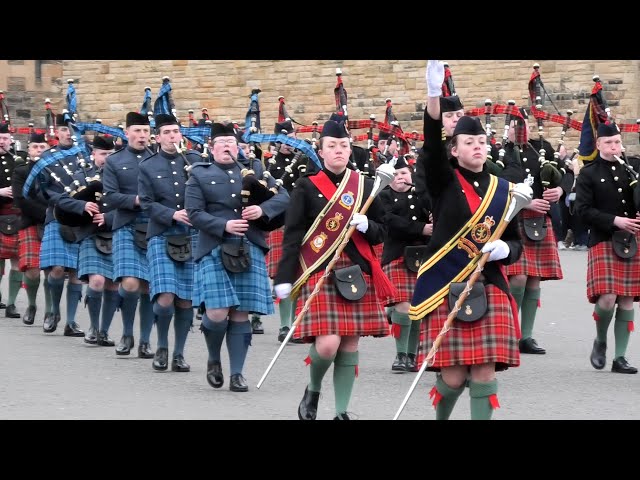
(161, 187)
(95, 262)
(33, 213)
(604, 201)
(130, 266)
(9, 220)
(540, 260)
(57, 253)
(408, 230)
(467, 203)
(334, 323)
(230, 269)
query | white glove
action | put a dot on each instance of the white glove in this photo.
(435, 78)
(361, 222)
(499, 250)
(283, 290)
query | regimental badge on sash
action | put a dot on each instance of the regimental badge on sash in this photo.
(318, 242)
(346, 200)
(481, 233)
(333, 224)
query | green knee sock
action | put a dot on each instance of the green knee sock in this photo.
(344, 376)
(32, 289)
(401, 328)
(414, 337)
(529, 309)
(48, 306)
(481, 403)
(621, 330)
(448, 398)
(284, 308)
(15, 282)
(317, 369)
(518, 294)
(603, 319)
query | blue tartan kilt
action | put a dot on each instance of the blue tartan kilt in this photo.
(54, 251)
(93, 262)
(166, 275)
(248, 291)
(129, 260)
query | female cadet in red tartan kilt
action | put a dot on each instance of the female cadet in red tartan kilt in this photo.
(604, 201)
(34, 211)
(408, 231)
(540, 260)
(334, 323)
(477, 348)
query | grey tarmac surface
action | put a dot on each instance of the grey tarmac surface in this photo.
(49, 376)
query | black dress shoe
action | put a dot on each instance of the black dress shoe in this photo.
(161, 359)
(126, 344)
(237, 383)
(91, 336)
(342, 416)
(256, 325)
(179, 365)
(72, 330)
(598, 354)
(620, 365)
(412, 364)
(104, 341)
(50, 324)
(529, 345)
(214, 374)
(29, 315)
(282, 333)
(144, 350)
(400, 363)
(308, 408)
(11, 312)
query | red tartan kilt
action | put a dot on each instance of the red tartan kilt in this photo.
(9, 245)
(490, 339)
(538, 259)
(330, 314)
(403, 279)
(29, 248)
(275, 253)
(378, 251)
(608, 273)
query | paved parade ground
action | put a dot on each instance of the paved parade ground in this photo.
(49, 376)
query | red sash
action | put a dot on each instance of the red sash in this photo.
(384, 288)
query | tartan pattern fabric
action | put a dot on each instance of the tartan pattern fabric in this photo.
(249, 291)
(166, 275)
(29, 248)
(48, 158)
(538, 259)
(9, 245)
(128, 259)
(377, 249)
(54, 251)
(490, 339)
(402, 278)
(608, 273)
(330, 314)
(293, 142)
(93, 262)
(275, 250)
(83, 127)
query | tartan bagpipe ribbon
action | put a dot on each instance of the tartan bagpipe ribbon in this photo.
(196, 134)
(594, 116)
(49, 157)
(72, 100)
(162, 105)
(146, 102)
(83, 127)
